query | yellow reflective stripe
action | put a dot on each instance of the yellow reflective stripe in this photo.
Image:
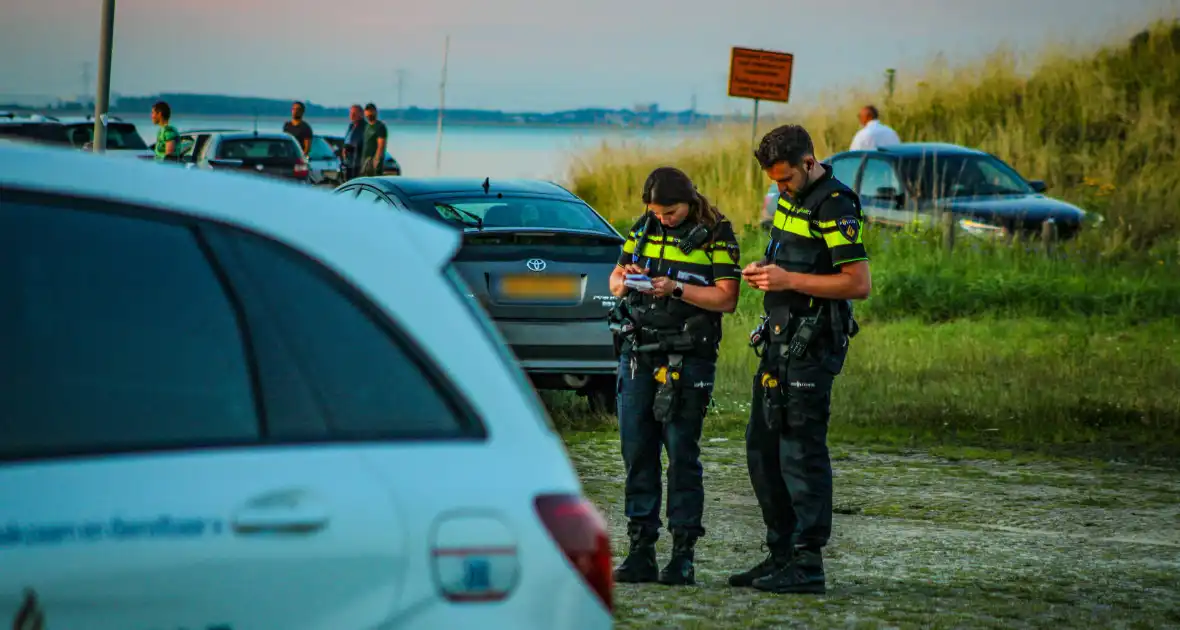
(780, 219)
(721, 256)
(824, 225)
(798, 226)
(836, 238)
(697, 257)
(629, 246)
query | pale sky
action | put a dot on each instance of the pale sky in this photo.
(534, 55)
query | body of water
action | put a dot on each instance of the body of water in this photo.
(476, 151)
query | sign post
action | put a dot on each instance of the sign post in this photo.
(761, 75)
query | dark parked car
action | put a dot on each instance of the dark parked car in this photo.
(323, 164)
(123, 138)
(538, 259)
(271, 154)
(391, 167)
(907, 183)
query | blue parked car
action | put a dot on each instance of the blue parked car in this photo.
(910, 183)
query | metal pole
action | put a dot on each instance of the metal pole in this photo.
(442, 98)
(754, 127)
(102, 99)
(890, 73)
(754, 142)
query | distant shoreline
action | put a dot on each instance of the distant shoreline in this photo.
(431, 124)
(180, 115)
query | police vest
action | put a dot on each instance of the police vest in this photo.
(658, 249)
(797, 243)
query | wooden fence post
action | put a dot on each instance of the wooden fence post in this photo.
(1048, 234)
(948, 231)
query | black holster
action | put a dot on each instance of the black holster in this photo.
(695, 335)
(621, 323)
(773, 379)
(669, 392)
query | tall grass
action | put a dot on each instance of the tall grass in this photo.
(1074, 345)
(1100, 130)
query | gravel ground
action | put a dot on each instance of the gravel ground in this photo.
(926, 542)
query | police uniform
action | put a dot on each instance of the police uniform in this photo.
(667, 361)
(803, 343)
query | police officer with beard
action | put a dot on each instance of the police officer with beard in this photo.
(667, 337)
(814, 266)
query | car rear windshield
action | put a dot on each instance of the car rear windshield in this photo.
(244, 148)
(515, 212)
(321, 150)
(119, 136)
(41, 132)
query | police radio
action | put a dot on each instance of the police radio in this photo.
(694, 239)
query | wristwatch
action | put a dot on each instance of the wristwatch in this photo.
(678, 292)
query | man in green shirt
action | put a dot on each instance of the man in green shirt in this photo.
(373, 150)
(167, 137)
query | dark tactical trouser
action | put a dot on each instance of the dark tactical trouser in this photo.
(369, 169)
(642, 436)
(787, 458)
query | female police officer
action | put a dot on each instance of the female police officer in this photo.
(668, 355)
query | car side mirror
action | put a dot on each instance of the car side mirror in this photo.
(1038, 186)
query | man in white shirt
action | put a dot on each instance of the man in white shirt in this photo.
(872, 133)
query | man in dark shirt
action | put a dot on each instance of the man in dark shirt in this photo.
(373, 153)
(298, 128)
(354, 141)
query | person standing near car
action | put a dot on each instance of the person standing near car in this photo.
(354, 141)
(299, 128)
(373, 152)
(167, 145)
(815, 264)
(873, 133)
(668, 333)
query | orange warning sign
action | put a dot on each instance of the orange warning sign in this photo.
(760, 74)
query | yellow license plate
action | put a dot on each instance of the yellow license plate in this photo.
(535, 287)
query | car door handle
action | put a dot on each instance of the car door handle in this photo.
(282, 512)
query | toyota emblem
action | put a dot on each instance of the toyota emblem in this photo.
(535, 264)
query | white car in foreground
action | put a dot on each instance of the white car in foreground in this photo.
(232, 403)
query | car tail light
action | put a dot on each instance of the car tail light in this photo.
(301, 168)
(580, 531)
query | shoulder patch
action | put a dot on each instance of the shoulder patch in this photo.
(849, 227)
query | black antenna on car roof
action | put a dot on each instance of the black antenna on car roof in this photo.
(256, 122)
(486, 185)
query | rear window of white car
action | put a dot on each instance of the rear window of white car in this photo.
(124, 333)
(114, 333)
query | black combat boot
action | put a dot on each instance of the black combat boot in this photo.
(774, 561)
(805, 574)
(640, 563)
(680, 571)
